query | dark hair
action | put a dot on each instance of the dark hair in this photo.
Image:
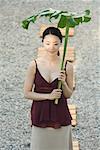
(54, 31)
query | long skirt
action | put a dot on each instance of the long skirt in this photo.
(51, 139)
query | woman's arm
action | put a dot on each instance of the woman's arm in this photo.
(29, 84)
(67, 86)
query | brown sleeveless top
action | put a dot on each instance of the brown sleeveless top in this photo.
(45, 113)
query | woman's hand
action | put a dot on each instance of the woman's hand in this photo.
(62, 76)
(55, 94)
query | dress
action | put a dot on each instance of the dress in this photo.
(51, 124)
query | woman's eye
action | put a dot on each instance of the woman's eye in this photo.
(56, 44)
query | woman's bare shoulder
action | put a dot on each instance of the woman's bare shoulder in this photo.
(32, 63)
(32, 66)
(40, 60)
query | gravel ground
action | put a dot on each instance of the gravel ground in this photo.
(18, 47)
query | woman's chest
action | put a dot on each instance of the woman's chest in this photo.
(49, 73)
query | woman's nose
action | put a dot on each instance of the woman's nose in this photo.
(52, 46)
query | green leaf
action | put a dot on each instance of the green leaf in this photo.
(64, 11)
(72, 23)
(65, 18)
(25, 24)
(47, 12)
(55, 14)
(62, 22)
(87, 12)
(87, 19)
(43, 12)
(66, 14)
(32, 19)
(78, 20)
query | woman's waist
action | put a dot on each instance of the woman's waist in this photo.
(47, 108)
(43, 89)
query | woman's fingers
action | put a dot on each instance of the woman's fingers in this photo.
(58, 90)
(63, 71)
(56, 93)
(62, 75)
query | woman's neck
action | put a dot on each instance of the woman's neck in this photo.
(52, 57)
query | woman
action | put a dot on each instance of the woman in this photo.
(51, 123)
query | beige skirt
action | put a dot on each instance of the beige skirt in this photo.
(51, 139)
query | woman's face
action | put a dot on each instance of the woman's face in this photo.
(51, 43)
